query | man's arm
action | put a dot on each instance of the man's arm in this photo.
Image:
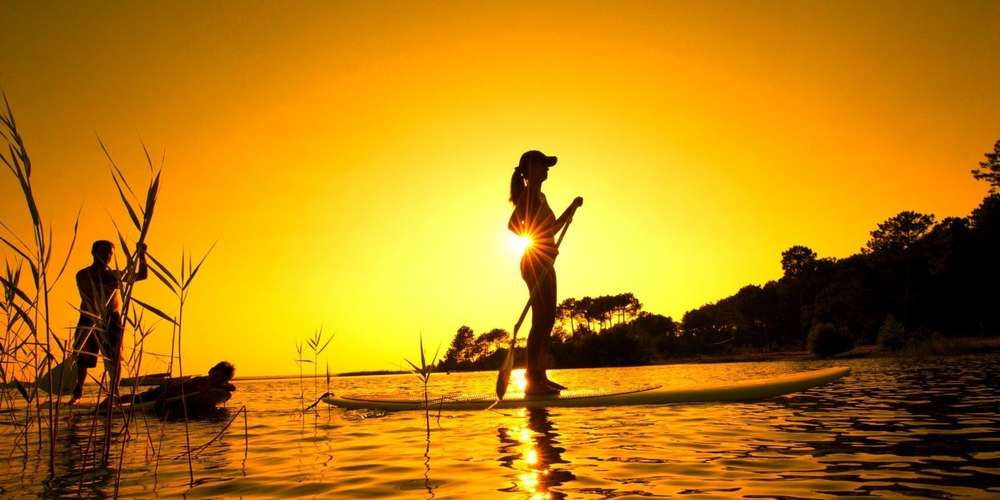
(140, 273)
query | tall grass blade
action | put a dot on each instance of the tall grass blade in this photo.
(72, 244)
(118, 171)
(163, 269)
(22, 173)
(48, 249)
(149, 161)
(24, 317)
(321, 349)
(154, 310)
(11, 231)
(423, 358)
(194, 271)
(9, 119)
(29, 260)
(128, 206)
(15, 248)
(10, 285)
(416, 369)
(123, 243)
(151, 200)
(163, 279)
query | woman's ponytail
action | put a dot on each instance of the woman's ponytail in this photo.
(516, 185)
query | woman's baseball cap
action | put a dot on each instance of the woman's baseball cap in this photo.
(534, 156)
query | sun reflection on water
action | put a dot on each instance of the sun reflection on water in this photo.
(530, 448)
(518, 380)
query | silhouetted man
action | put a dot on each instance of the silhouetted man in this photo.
(99, 330)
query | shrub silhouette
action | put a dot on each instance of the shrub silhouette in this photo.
(891, 336)
(825, 340)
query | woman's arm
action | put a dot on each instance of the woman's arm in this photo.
(568, 214)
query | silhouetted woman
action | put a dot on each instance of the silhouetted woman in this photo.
(533, 218)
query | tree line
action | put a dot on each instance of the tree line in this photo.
(916, 277)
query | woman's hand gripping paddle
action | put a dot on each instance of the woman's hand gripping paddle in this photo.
(503, 377)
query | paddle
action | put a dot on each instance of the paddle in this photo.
(62, 378)
(503, 377)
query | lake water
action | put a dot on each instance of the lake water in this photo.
(893, 428)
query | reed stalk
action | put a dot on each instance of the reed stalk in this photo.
(29, 347)
(181, 288)
(423, 372)
(302, 390)
(317, 346)
(38, 256)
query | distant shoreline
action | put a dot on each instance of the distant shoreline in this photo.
(367, 373)
(304, 376)
(965, 345)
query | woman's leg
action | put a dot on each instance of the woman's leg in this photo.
(552, 309)
(530, 279)
(547, 319)
(543, 314)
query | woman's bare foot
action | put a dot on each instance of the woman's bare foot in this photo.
(555, 385)
(541, 389)
(541, 386)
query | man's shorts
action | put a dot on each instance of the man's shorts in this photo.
(91, 339)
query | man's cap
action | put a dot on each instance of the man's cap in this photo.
(537, 157)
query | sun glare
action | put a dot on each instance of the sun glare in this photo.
(520, 243)
(518, 380)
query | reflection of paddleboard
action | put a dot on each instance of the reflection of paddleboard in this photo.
(750, 390)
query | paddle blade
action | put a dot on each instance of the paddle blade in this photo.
(61, 379)
(503, 377)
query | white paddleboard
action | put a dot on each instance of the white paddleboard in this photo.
(749, 390)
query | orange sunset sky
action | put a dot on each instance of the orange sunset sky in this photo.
(352, 161)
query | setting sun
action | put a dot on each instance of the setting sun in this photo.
(520, 243)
